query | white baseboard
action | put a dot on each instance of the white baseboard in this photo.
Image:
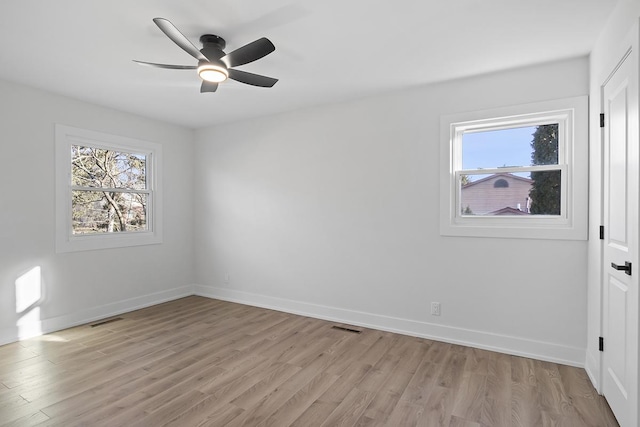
(551, 352)
(35, 327)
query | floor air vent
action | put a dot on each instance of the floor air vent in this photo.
(343, 328)
(104, 322)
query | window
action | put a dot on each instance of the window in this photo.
(501, 183)
(107, 191)
(516, 172)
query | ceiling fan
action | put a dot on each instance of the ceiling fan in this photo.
(214, 66)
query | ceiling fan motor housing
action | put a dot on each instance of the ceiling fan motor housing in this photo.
(212, 46)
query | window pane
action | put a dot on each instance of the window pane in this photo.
(520, 146)
(534, 193)
(96, 167)
(546, 193)
(108, 212)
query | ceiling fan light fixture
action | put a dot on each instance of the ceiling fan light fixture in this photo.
(212, 73)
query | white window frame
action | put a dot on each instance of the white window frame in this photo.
(571, 114)
(66, 241)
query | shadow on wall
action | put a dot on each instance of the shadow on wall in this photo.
(29, 295)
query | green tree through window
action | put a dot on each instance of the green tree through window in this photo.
(545, 190)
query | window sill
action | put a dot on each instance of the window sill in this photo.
(107, 241)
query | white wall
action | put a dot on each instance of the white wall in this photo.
(608, 51)
(82, 286)
(333, 212)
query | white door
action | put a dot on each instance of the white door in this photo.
(620, 286)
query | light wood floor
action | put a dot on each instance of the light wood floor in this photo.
(198, 361)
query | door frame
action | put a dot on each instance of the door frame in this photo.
(629, 50)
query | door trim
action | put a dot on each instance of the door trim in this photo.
(629, 51)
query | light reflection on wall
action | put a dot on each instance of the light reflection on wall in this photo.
(28, 295)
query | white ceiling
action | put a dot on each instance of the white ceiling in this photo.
(326, 50)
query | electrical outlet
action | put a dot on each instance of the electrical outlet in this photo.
(435, 309)
(227, 278)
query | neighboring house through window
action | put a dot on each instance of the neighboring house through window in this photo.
(497, 194)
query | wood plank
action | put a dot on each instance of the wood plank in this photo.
(315, 414)
(438, 407)
(461, 422)
(206, 413)
(405, 414)
(35, 418)
(330, 399)
(172, 409)
(470, 397)
(386, 398)
(233, 383)
(525, 407)
(299, 401)
(350, 409)
(103, 394)
(422, 383)
(29, 370)
(16, 409)
(453, 368)
(257, 393)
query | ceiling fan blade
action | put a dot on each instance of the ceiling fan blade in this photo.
(178, 38)
(172, 67)
(249, 52)
(208, 87)
(252, 79)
